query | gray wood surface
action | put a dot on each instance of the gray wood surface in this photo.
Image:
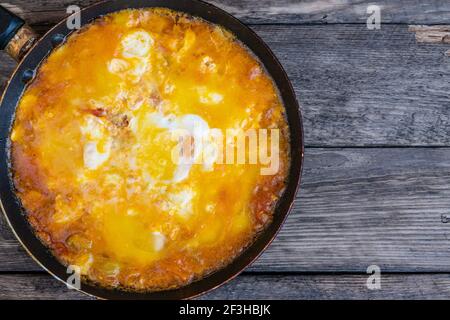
(431, 34)
(356, 207)
(261, 287)
(274, 11)
(359, 87)
(335, 287)
(376, 180)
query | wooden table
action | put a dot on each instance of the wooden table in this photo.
(376, 183)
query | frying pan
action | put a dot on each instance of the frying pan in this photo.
(23, 45)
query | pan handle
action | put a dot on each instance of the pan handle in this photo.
(15, 36)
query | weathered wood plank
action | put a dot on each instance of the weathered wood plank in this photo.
(432, 34)
(35, 287)
(271, 11)
(334, 287)
(356, 207)
(359, 87)
(336, 11)
(261, 287)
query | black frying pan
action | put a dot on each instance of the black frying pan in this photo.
(23, 45)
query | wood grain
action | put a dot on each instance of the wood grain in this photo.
(334, 287)
(35, 287)
(366, 88)
(270, 11)
(359, 87)
(432, 34)
(261, 287)
(356, 207)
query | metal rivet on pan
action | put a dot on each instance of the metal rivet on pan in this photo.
(58, 39)
(27, 75)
